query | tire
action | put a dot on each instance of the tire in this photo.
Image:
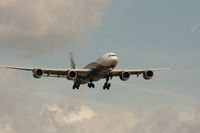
(109, 85)
(104, 87)
(92, 85)
(89, 85)
(73, 87)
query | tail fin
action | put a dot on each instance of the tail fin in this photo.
(73, 64)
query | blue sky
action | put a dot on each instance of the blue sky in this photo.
(143, 33)
(150, 34)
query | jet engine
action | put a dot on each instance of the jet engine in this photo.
(71, 75)
(125, 76)
(148, 74)
(37, 73)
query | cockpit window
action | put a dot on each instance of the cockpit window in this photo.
(112, 55)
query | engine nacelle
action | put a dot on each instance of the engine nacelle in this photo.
(125, 76)
(38, 73)
(148, 75)
(71, 75)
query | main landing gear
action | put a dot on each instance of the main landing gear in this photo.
(107, 85)
(76, 85)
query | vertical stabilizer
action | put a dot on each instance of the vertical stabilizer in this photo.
(73, 64)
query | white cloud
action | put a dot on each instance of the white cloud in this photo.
(42, 25)
(117, 121)
(62, 118)
(65, 116)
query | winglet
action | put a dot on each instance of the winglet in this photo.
(72, 61)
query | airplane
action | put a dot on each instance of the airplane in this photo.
(102, 68)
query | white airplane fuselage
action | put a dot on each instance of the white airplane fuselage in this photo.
(100, 68)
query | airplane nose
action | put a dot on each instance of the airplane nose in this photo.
(115, 61)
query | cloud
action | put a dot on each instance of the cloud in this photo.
(65, 116)
(42, 25)
(62, 118)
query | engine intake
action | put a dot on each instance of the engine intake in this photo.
(71, 75)
(125, 76)
(38, 73)
(148, 75)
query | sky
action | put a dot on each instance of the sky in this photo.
(143, 33)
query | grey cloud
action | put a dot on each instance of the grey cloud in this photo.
(41, 25)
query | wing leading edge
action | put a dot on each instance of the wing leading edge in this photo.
(50, 72)
(136, 71)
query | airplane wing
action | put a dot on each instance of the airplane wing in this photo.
(62, 73)
(136, 71)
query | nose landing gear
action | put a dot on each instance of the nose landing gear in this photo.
(91, 85)
(107, 86)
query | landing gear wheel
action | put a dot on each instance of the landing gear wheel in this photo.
(76, 85)
(91, 85)
(106, 86)
(73, 87)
